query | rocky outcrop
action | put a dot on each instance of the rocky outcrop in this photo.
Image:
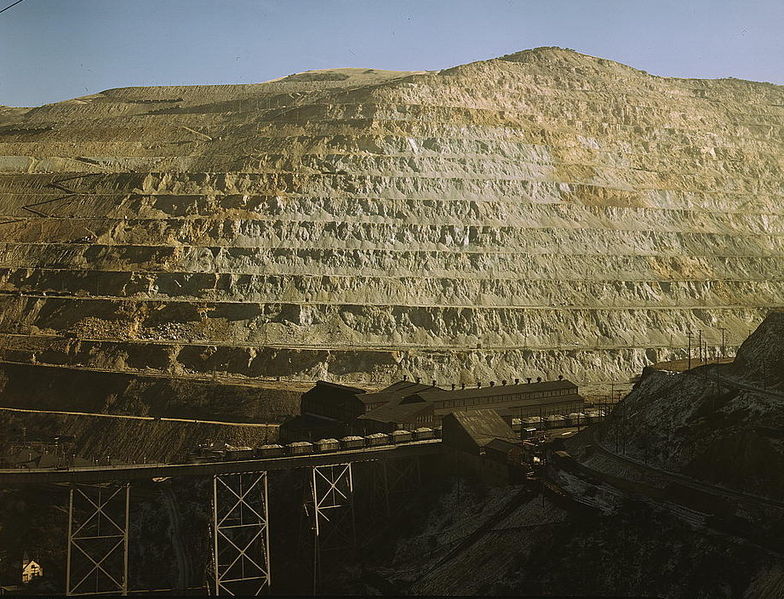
(546, 212)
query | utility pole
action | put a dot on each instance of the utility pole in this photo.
(689, 358)
(723, 343)
(617, 429)
(700, 343)
(624, 424)
(718, 388)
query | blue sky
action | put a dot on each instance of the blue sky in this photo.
(51, 50)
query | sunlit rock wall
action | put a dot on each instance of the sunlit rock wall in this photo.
(547, 212)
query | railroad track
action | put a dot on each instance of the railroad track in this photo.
(676, 477)
(129, 472)
(132, 417)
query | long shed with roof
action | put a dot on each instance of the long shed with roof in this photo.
(540, 398)
(393, 394)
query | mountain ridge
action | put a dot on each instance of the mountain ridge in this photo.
(529, 55)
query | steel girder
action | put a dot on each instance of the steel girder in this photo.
(97, 559)
(240, 530)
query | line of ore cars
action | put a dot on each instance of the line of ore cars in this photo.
(524, 425)
(227, 452)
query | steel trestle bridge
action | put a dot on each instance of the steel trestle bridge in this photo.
(100, 498)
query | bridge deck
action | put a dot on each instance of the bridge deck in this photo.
(126, 472)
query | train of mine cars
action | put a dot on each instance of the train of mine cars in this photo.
(559, 420)
(396, 437)
(321, 446)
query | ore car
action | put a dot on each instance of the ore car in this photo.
(239, 453)
(300, 448)
(352, 442)
(401, 436)
(592, 416)
(423, 433)
(324, 445)
(554, 421)
(377, 439)
(270, 451)
(533, 421)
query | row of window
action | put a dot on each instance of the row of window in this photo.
(493, 399)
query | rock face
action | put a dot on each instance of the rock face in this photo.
(546, 212)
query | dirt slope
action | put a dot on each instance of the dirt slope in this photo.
(720, 423)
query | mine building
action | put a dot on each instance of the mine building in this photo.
(394, 394)
(332, 401)
(325, 411)
(479, 443)
(395, 415)
(519, 400)
(334, 410)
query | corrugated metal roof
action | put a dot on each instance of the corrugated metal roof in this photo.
(483, 425)
(395, 412)
(396, 391)
(503, 445)
(403, 385)
(516, 407)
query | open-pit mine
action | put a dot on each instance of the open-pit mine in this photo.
(542, 213)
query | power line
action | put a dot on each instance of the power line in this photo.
(12, 5)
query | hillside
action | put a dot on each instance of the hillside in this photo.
(541, 213)
(722, 424)
(121, 440)
(636, 523)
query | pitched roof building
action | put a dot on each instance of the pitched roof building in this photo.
(332, 401)
(395, 415)
(549, 397)
(473, 430)
(393, 394)
(480, 443)
(30, 569)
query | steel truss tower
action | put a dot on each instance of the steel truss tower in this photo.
(97, 562)
(334, 526)
(240, 529)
